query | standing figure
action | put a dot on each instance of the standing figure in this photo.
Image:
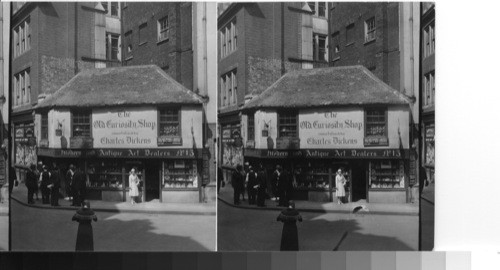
(133, 183)
(38, 172)
(31, 183)
(78, 188)
(220, 179)
(44, 184)
(290, 235)
(55, 184)
(262, 186)
(252, 185)
(284, 188)
(275, 181)
(69, 182)
(339, 186)
(237, 181)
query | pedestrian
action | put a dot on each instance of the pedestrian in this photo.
(275, 181)
(69, 182)
(133, 183)
(262, 186)
(237, 181)
(340, 182)
(252, 185)
(38, 171)
(31, 183)
(289, 235)
(78, 188)
(55, 184)
(12, 179)
(220, 179)
(44, 184)
(284, 188)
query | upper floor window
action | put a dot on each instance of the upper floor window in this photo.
(287, 124)
(170, 123)
(22, 88)
(80, 124)
(370, 33)
(349, 34)
(429, 89)
(128, 42)
(320, 52)
(376, 127)
(163, 29)
(111, 8)
(44, 134)
(112, 46)
(318, 8)
(142, 33)
(429, 40)
(228, 89)
(22, 38)
(228, 39)
(251, 127)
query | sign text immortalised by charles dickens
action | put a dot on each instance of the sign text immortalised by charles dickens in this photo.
(125, 128)
(322, 128)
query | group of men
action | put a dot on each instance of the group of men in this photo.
(51, 184)
(258, 185)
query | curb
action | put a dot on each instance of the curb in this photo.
(323, 211)
(117, 210)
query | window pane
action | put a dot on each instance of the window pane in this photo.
(169, 122)
(114, 8)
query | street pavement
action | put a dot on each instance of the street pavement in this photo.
(4, 233)
(51, 229)
(256, 229)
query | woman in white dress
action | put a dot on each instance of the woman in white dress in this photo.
(133, 183)
(339, 185)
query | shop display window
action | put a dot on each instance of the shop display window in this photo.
(312, 176)
(105, 175)
(179, 174)
(387, 174)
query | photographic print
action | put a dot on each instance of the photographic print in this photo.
(113, 120)
(326, 126)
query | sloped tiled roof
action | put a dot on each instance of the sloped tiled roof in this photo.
(135, 85)
(351, 85)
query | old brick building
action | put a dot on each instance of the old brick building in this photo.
(258, 43)
(50, 43)
(160, 34)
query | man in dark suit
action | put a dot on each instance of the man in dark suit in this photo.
(78, 188)
(55, 184)
(69, 182)
(31, 183)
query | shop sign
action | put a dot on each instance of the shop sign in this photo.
(287, 143)
(326, 128)
(169, 141)
(129, 128)
(80, 142)
(329, 153)
(376, 141)
(146, 153)
(59, 153)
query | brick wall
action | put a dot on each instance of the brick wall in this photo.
(173, 55)
(381, 56)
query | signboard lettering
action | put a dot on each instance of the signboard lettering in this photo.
(329, 153)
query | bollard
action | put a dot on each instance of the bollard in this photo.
(85, 236)
(290, 234)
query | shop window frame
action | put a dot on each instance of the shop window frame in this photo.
(251, 128)
(280, 125)
(44, 126)
(376, 140)
(73, 124)
(174, 139)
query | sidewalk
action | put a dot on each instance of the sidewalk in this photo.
(4, 209)
(226, 196)
(19, 194)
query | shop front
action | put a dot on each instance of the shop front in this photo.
(314, 130)
(161, 141)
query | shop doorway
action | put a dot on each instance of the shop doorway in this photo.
(359, 186)
(152, 180)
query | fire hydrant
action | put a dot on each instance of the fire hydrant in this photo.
(85, 237)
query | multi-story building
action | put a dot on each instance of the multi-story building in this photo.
(51, 42)
(258, 43)
(383, 37)
(4, 89)
(179, 38)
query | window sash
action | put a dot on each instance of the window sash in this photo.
(170, 124)
(370, 29)
(81, 120)
(321, 9)
(251, 127)
(114, 8)
(287, 125)
(163, 29)
(376, 123)
(349, 34)
(44, 126)
(312, 6)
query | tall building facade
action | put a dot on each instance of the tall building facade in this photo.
(383, 37)
(258, 43)
(177, 37)
(4, 89)
(50, 43)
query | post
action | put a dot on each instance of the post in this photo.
(85, 237)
